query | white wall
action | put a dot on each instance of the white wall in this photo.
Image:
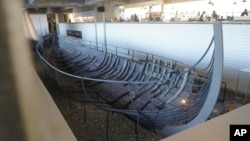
(161, 39)
(179, 41)
(41, 23)
(84, 14)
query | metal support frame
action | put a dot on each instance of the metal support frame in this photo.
(214, 86)
(96, 37)
(245, 72)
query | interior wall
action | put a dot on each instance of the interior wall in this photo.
(41, 23)
(182, 42)
(161, 39)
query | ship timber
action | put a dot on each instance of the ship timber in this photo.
(161, 94)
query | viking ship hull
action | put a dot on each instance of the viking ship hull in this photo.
(155, 91)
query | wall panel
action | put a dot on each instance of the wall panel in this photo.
(41, 23)
(179, 41)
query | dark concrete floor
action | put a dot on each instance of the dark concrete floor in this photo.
(89, 123)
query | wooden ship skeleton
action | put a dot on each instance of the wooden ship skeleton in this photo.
(161, 94)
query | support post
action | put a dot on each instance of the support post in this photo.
(104, 30)
(96, 34)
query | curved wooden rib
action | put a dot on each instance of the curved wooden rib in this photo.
(214, 88)
(157, 100)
